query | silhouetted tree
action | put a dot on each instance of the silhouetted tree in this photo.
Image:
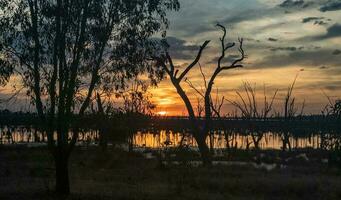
(332, 109)
(137, 98)
(63, 50)
(331, 114)
(216, 104)
(136, 105)
(290, 110)
(201, 128)
(250, 109)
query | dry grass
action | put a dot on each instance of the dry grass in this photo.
(28, 174)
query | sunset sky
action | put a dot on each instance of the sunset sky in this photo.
(282, 39)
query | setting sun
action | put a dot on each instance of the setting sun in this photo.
(162, 113)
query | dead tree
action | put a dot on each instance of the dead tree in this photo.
(249, 108)
(201, 127)
(216, 104)
(331, 114)
(333, 108)
(290, 111)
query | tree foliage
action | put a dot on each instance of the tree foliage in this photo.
(64, 50)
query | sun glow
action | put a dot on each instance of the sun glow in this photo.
(162, 113)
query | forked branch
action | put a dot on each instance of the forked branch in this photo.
(196, 60)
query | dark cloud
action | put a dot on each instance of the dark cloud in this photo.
(179, 48)
(320, 22)
(176, 43)
(337, 52)
(299, 58)
(272, 39)
(316, 20)
(291, 3)
(309, 19)
(284, 48)
(331, 6)
(228, 59)
(332, 32)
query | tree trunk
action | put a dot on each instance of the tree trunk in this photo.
(62, 175)
(103, 141)
(286, 142)
(256, 137)
(204, 150)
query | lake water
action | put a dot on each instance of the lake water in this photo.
(171, 139)
(268, 141)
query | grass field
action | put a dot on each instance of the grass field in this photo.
(28, 173)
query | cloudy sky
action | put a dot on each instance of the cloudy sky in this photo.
(283, 38)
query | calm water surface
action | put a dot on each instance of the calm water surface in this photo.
(164, 138)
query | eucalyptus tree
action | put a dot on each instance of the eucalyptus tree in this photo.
(64, 50)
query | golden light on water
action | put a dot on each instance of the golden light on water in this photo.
(269, 141)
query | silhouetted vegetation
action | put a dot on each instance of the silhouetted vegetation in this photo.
(64, 50)
(200, 131)
(87, 66)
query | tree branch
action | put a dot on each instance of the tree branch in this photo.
(189, 67)
(190, 84)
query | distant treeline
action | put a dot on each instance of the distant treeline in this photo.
(88, 121)
(299, 125)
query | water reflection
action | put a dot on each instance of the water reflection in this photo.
(164, 138)
(219, 141)
(22, 135)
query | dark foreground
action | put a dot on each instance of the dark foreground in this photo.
(29, 174)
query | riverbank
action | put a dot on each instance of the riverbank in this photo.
(28, 173)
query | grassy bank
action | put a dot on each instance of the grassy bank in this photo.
(29, 174)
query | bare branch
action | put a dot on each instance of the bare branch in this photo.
(236, 63)
(190, 84)
(189, 67)
(203, 75)
(224, 47)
